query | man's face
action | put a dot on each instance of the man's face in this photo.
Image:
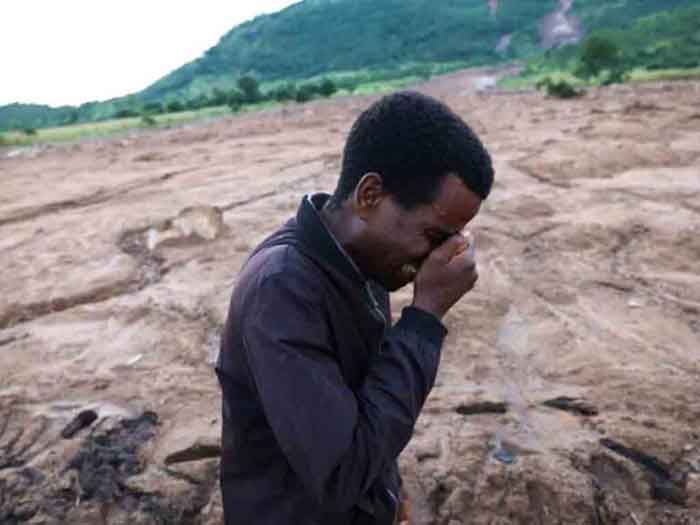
(396, 237)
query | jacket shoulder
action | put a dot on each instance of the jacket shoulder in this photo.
(283, 264)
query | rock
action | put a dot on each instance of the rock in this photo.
(572, 404)
(200, 449)
(198, 222)
(79, 422)
(481, 407)
(205, 222)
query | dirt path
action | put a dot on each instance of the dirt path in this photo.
(592, 237)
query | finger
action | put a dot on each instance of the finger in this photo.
(468, 247)
(471, 245)
(465, 266)
(451, 247)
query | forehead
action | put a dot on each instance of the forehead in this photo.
(454, 206)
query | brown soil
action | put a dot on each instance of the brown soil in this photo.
(592, 237)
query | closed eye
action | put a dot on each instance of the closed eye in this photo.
(436, 237)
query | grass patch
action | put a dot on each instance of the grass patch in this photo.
(643, 75)
(517, 82)
(112, 127)
(385, 86)
(638, 75)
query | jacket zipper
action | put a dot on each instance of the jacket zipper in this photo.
(375, 304)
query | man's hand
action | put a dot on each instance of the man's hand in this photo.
(446, 275)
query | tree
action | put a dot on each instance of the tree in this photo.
(174, 106)
(198, 102)
(218, 97)
(327, 87)
(235, 98)
(305, 93)
(250, 89)
(72, 117)
(126, 113)
(153, 108)
(284, 92)
(597, 55)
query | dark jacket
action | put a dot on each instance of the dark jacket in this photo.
(320, 393)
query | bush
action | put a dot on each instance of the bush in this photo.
(218, 97)
(327, 88)
(174, 106)
(559, 88)
(153, 108)
(235, 97)
(199, 102)
(29, 131)
(126, 113)
(285, 92)
(250, 89)
(71, 118)
(148, 120)
(615, 76)
(305, 93)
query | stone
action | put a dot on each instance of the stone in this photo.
(200, 449)
(82, 420)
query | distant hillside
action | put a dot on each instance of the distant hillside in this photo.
(663, 40)
(316, 37)
(21, 116)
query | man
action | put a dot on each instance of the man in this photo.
(320, 392)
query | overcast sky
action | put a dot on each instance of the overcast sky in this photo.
(73, 51)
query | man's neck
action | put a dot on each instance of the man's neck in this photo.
(338, 222)
(332, 218)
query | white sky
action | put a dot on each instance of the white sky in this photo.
(73, 51)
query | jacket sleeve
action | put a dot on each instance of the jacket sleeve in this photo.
(337, 441)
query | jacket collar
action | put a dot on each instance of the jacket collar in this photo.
(319, 239)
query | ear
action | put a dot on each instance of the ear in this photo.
(369, 193)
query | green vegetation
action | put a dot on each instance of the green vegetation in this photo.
(599, 54)
(559, 87)
(105, 128)
(116, 126)
(322, 36)
(317, 48)
(351, 42)
(664, 45)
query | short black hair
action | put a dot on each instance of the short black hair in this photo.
(413, 141)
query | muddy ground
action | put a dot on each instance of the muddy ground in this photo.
(116, 276)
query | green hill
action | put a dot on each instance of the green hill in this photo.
(667, 40)
(352, 41)
(30, 116)
(319, 36)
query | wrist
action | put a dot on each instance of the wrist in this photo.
(428, 307)
(422, 322)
